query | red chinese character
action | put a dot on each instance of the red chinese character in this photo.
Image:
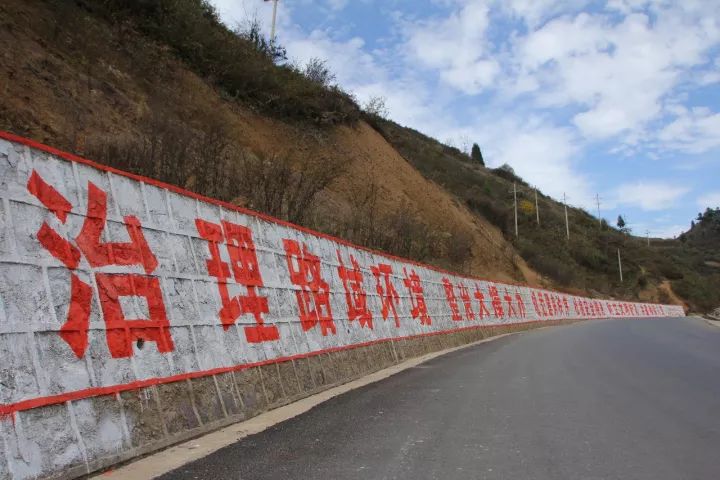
(121, 331)
(566, 305)
(467, 301)
(452, 300)
(549, 305)
(417, 297)
(536, 306)
(508, 302)
(484, 312)
(495, 301)
(245, 271)
(313, 298)
(355, 295)
(520, 305)
(541, 302)
(388, 295)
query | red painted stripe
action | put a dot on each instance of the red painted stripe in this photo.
(11, 408)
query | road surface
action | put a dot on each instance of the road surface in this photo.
(609, 399)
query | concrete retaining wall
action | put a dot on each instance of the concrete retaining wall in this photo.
(134, 315)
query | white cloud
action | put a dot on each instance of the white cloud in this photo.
(615, 66)
(455, 46)
(617, 73)
(337, 5)
(649, 195)
(692, 131)
(473, 77)
(535, 12)
(709, 200)
(543, 156)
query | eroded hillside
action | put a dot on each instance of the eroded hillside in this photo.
(102, 87)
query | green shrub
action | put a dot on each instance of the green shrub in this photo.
(699, 291)
(589, 256)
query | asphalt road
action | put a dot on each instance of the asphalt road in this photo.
(610, 399)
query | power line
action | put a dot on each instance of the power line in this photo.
(274, 16)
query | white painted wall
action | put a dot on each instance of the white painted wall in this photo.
(38, 367)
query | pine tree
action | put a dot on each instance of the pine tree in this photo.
(476, 154)
(622, 225)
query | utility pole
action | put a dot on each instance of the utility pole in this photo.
(274, 15)
(537, 209)
(515, 201)
(567, 223)
(647, 233)
(620, 266)
(597, 200)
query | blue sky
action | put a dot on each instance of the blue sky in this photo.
(619, 98)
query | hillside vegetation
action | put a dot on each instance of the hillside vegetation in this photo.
(163, 89)
(689, 267)
(95, 79)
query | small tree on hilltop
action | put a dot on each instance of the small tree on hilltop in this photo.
(376, 106)
(253, 34)
(622, 225)
(476, 154)
(317, 71)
